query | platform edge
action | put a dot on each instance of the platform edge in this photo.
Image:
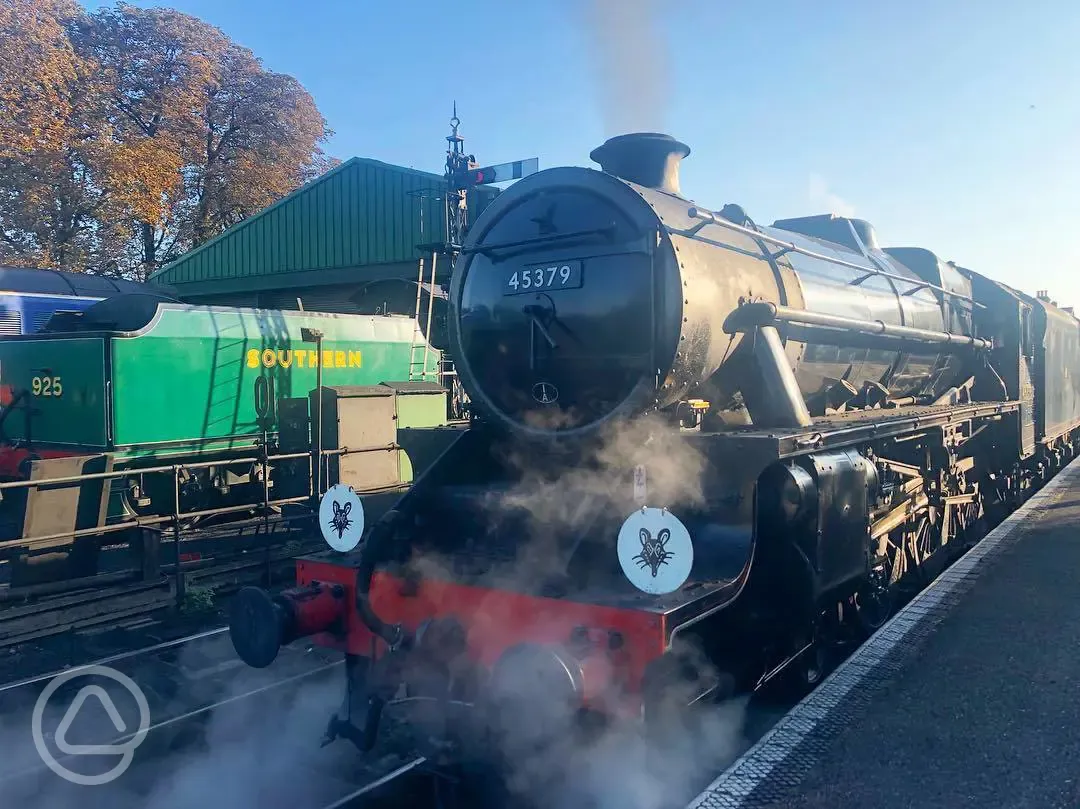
(812, 715)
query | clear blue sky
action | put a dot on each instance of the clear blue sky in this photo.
(952, 125)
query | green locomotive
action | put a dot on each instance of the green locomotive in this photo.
(147, 382)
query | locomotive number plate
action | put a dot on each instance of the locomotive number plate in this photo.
(543, 278)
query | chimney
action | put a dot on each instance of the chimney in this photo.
(646, 158)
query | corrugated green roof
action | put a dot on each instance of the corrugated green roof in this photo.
(363, 212)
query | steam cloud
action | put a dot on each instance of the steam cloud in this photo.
(543, 506)
(253, 754)
(270, 758)
(821, 196)
(632, 64)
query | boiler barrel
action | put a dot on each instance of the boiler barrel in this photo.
(582, 296)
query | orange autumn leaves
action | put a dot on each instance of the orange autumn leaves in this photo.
(128, 136)
(39, 70)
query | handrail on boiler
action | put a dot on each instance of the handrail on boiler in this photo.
(710, 218)
(762, 313)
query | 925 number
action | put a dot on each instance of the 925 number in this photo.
(540, 277)
(47, 386)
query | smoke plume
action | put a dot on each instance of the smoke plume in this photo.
(822, 197)
(630, 55)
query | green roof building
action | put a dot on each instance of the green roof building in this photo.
(345, 242)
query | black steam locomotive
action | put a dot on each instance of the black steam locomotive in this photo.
(707, 451)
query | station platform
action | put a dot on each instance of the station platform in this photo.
(968, 697)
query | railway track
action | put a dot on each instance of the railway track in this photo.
(400, 786)
(215, 730)
(159, 574)
(219, 734)
(223, 734)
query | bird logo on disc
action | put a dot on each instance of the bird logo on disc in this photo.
(655, 551)
(341, 518)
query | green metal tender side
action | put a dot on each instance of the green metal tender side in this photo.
(187, 383)
(215, 361)
(54, 391)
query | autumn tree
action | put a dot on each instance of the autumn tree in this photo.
(156, 64)
(262, 135)
(38, 67)
(139, 134)
(50, 133)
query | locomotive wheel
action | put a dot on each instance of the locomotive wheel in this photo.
(799, 676)
(872, 608)
(802, 674)
(811, 667)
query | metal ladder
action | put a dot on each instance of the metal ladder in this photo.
(420, 349)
